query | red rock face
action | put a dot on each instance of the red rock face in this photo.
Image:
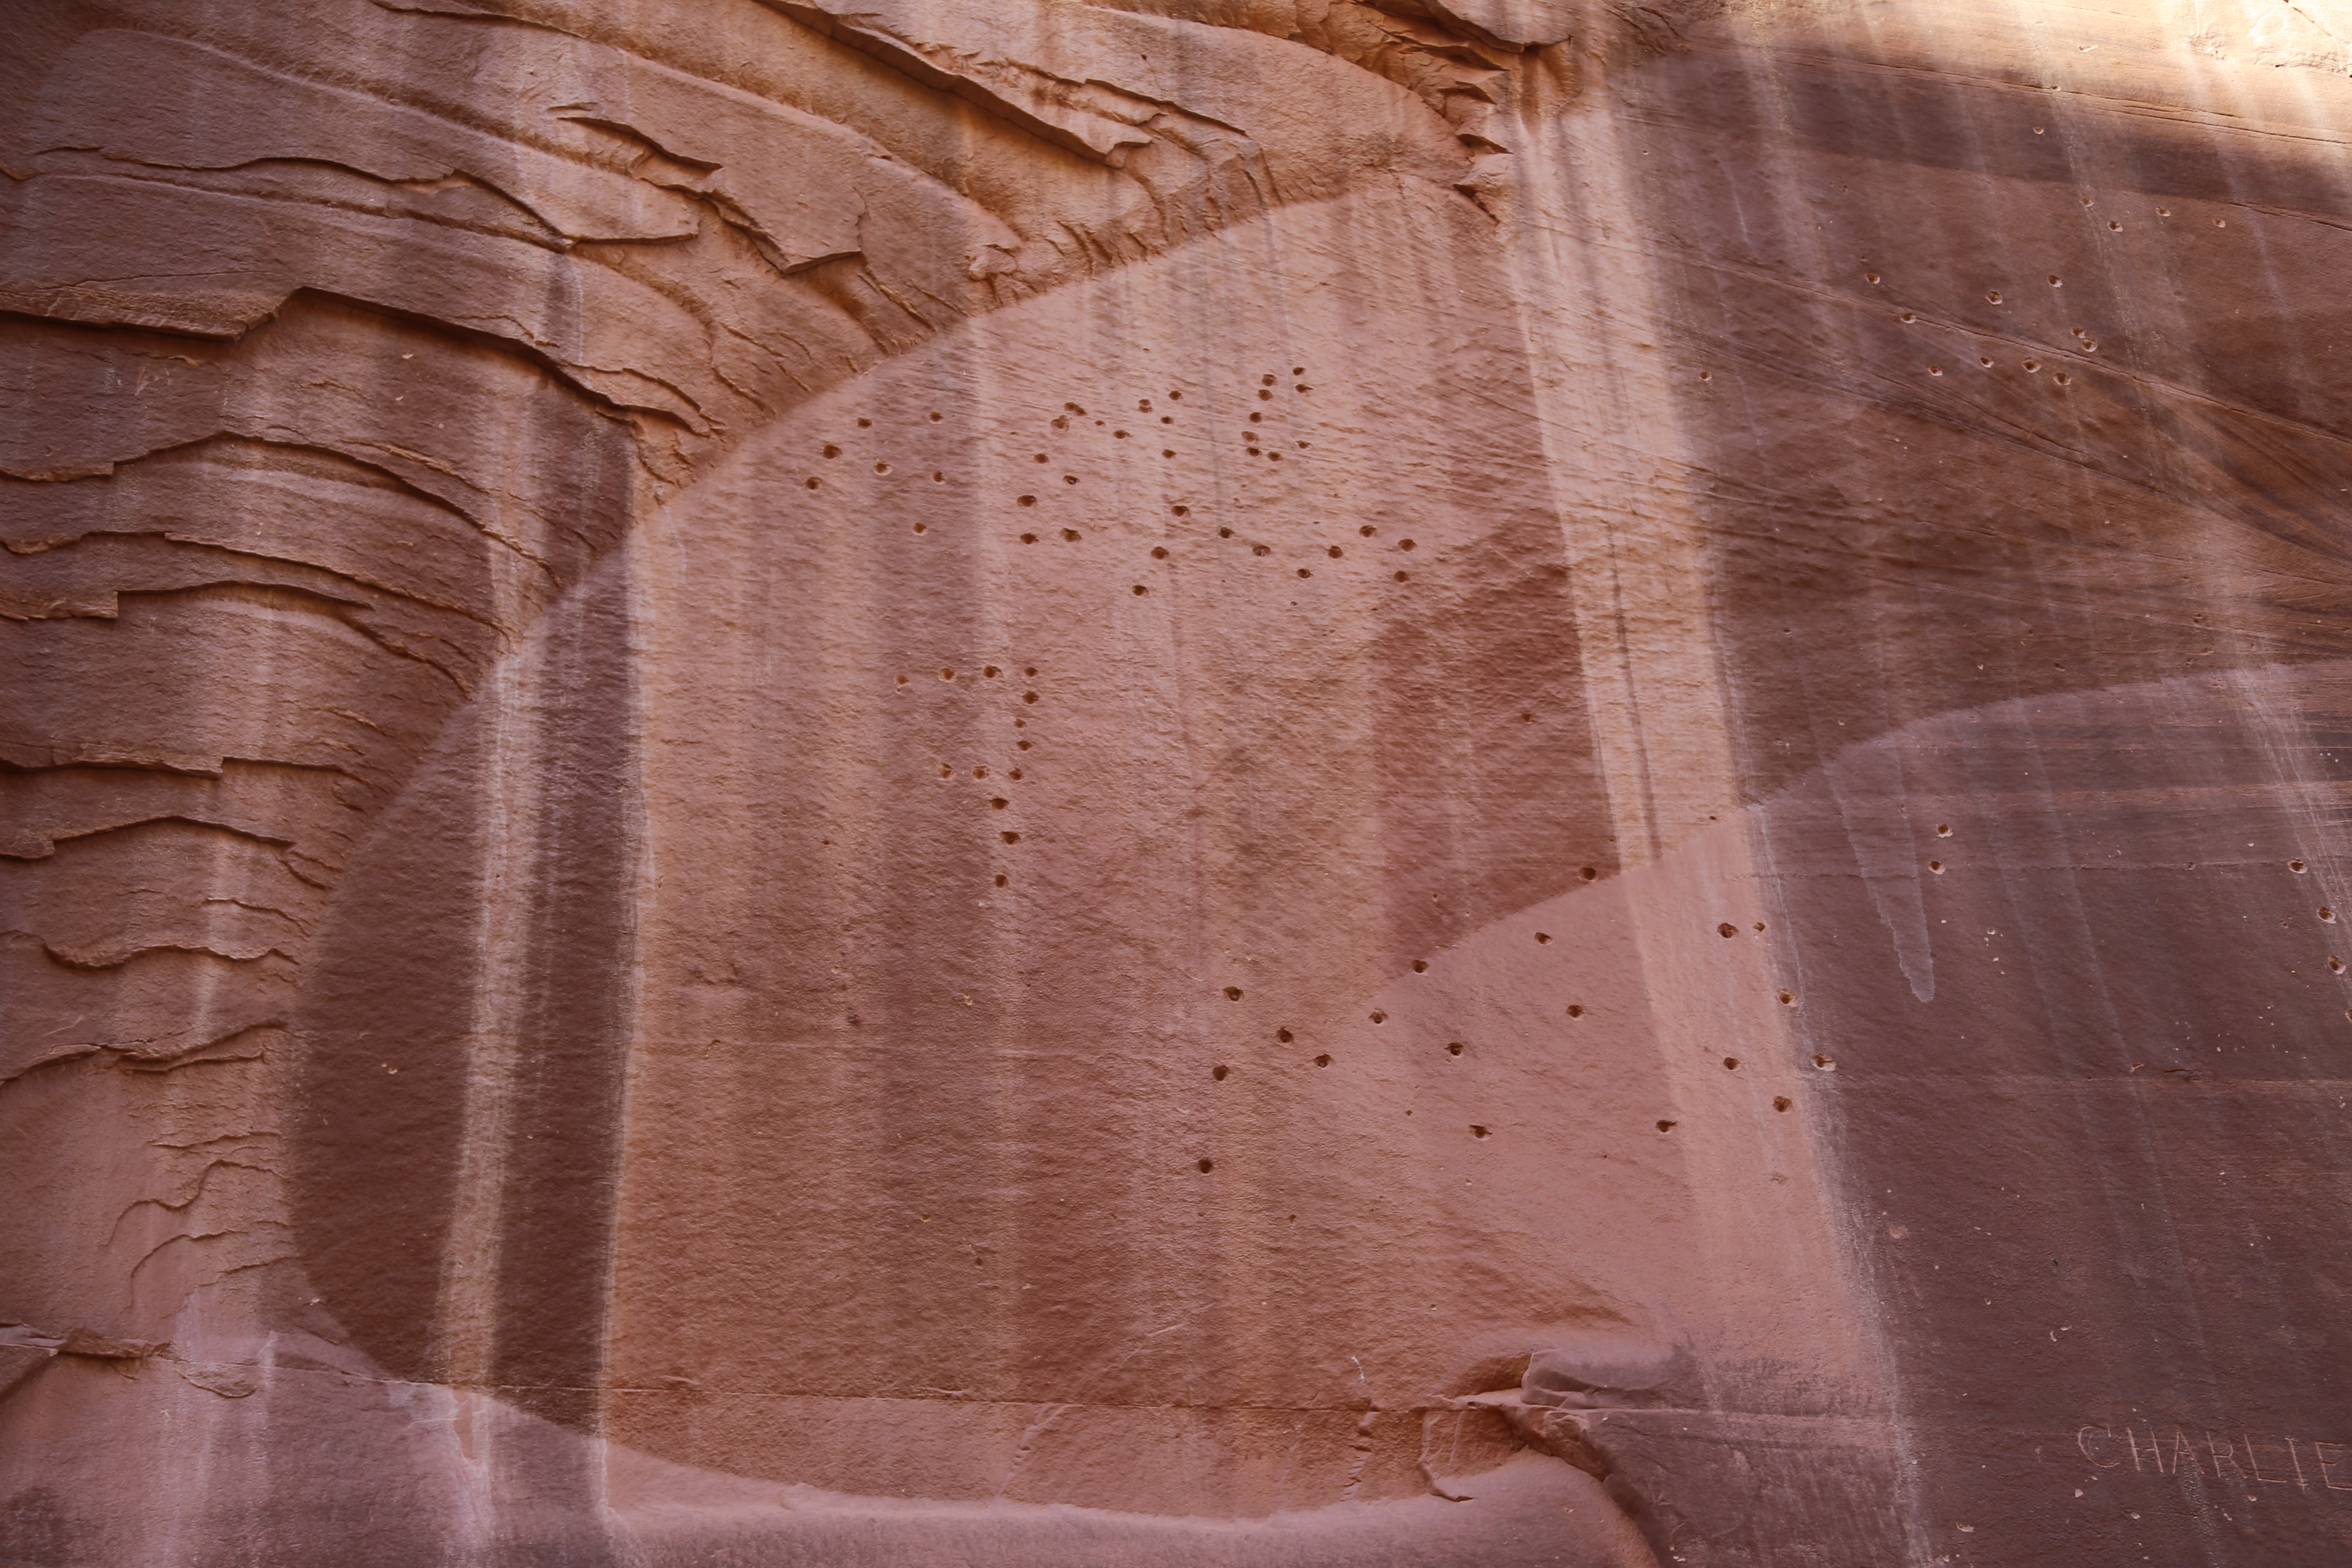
(1261, 784)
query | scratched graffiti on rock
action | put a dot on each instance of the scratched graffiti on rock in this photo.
(2253, 1459)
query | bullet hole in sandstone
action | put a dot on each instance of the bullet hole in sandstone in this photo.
(1303, 572)
(1028, 696)
(2114, 225)
(1934, 370)
(1368, 530)
(1543, 936)
(921, 528)
(1283, 1035)
(1404, 544)
(1986, 363)
(1061, 422)
(2296, 865)
(1256, 417)
(1030, 669)
(935, 417)
(2032, 364)
(1421, 966)
(833, 451)
(1943, 830)
(1070, 535)
(1040, 458)
(1074, 408)
(2335, 965)
(1576, 1010)
(1827, 1064)
(1069, 479)
(1263, 392)
(1180, 511)
(946, 772)
(1731, 1064)
(1232, 992)
(1139, 589)
(1993, 295)
(1788, 998)
(1014, 775)
(881, 468)
(1907, 316)
(1206, 1166)
(1527, 718)
(812, 484)
(1028, 539)
(1323, 1061)
(1001, 878)
(1334, 553)
(1780, 1102)
(1175, 397)
(1000, 803)
(1219, 1072)
(1118, 435)
(2063, 379)
(1478, 1132)
(1010, 838)
(2327, 914)
(1590, 873)
(1403, 576)
(1667, 1126)
(902, 681)
(990, 672)
(1728, 929)
(1256, 453)
(947, 674)
(1027, 500)
(1760, 925)
(1936, 867)
(1022, 744)
(1453, 1047)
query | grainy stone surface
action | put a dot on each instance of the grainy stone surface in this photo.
(1173, 782)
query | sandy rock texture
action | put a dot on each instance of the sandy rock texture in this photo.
(1256, 783)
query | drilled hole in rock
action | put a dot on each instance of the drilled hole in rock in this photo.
(1261, 549)
(1731, 1064)
(1010, 838)
(1590, 873)
(1232, 992)
(1404, 544)
(1403, 576)
(1071, 534)
(1030, 669)
(1993, 295)
(1421, 966)
(2296, 865)
(1936, 867)
(1180, 511)
(921, 529)
(1728, 929)
(1380, 1017)
(1323, 1061)
(1159, 553)
(946, 772)
(947, 674)
(1283, 1035)
(1040, 458)
(1477, 1132)
(1303, 572)
(1334, 553)
(1000, 879)
(1575, 1010)
(1028, 539)
(1453, 1047)
(1788, 997)
(1543, 936)
(1027, 500)
(881, 468)
(1000, 803)
(1827, 1064)
(833, 451)
(2327, 914)
(1780, 1102)
(1139, 589)
(1667, 1126)
(1943, 830)
(1206, 1166)
(1022, 744)
(1028, 696)
(1219, 1072)
(812, 484)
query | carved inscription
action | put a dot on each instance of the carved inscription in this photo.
(2251, 1459)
